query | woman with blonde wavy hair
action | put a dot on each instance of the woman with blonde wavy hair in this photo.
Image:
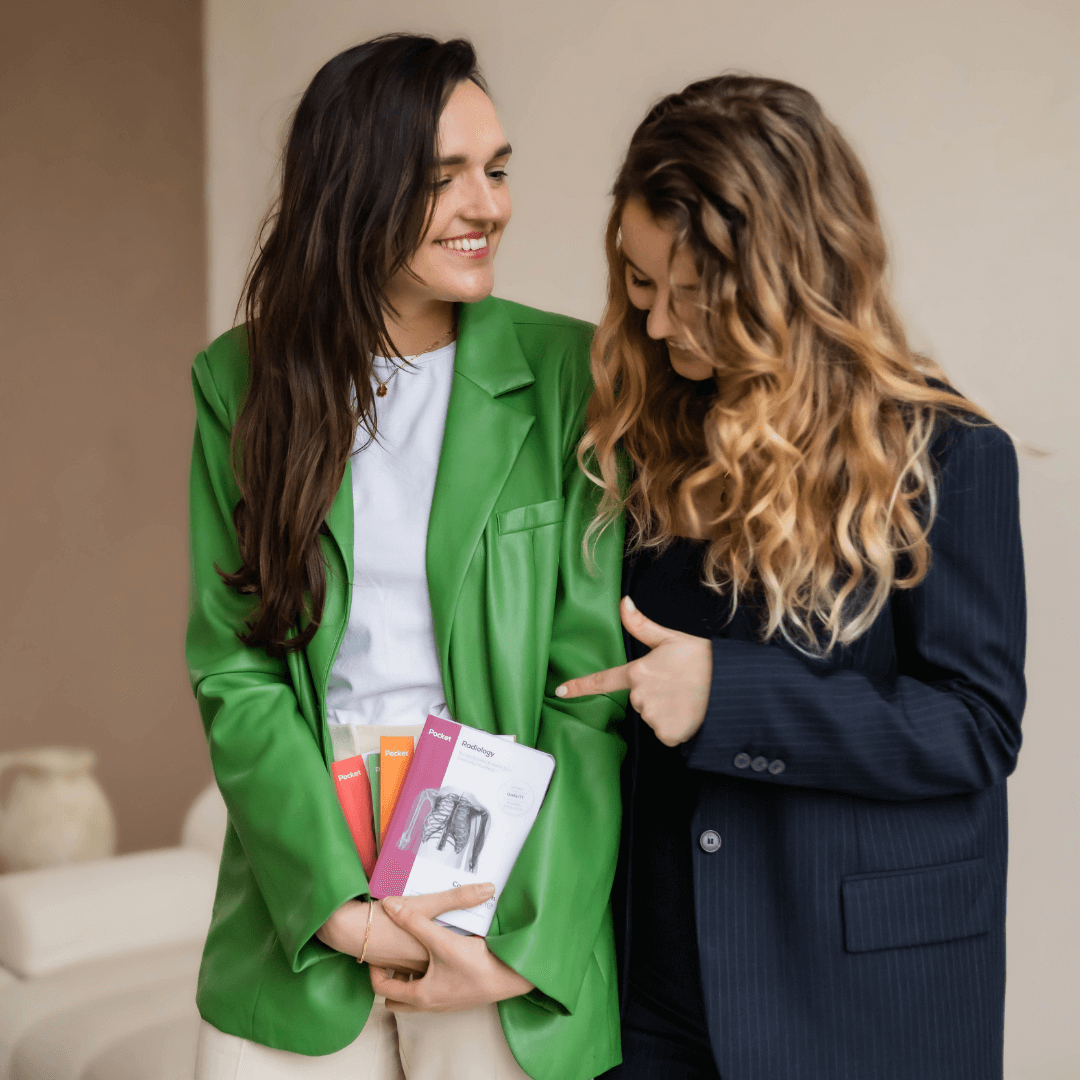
(824, 606)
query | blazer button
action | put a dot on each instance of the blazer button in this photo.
(742, 761)
(759, 764)
(776, 767)
(709, 841)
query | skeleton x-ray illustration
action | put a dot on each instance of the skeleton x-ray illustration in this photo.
(451, 817)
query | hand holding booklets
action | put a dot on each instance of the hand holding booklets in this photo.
(468, 801)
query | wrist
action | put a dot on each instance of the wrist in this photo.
(367, 932)
(391, 947)
(344, 930)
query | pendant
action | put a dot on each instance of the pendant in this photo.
(380, 390)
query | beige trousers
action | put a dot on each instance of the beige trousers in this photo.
(466, 1045)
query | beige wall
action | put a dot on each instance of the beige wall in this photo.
(966, 115)
(102, 305)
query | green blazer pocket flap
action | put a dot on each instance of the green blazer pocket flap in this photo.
(532, 516)
(916, 907)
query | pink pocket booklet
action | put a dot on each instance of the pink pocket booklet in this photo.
(467, 805)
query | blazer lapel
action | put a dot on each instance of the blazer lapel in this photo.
(482, 440)
(340, 521)
(339, 574)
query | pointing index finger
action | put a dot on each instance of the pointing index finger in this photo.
(600, 682)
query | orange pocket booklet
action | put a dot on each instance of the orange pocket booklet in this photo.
(395, 755)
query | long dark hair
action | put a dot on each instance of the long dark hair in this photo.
(357, 187)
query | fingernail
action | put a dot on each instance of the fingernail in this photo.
(487, 890)
(630, 605)
(561, 691)
(392, 904)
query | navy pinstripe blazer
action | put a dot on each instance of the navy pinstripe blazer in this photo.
(851, 924)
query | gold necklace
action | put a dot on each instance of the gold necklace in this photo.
(380, 390)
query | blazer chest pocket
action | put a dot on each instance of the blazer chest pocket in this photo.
(916, 907)
(531, 517)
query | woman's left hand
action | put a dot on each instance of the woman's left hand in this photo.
(462, 973)
(669, 686)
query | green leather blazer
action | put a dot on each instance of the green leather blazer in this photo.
(516, 612)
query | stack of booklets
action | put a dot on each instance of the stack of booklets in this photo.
(368, 786)
(454, 812)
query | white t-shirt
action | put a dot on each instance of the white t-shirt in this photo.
(387, 669)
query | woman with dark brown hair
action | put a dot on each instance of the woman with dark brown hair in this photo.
(387, 523)
(824, 606)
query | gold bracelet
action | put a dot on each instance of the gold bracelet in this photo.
(367, 932)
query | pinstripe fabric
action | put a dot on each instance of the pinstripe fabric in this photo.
(851, 925)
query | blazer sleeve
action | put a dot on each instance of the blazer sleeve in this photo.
(949, 722)
(266, 760)
(561, 884)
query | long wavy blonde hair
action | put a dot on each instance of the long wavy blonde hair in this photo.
(805, 461)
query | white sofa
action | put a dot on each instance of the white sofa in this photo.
(98, 960)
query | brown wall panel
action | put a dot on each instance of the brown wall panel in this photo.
(102, 305)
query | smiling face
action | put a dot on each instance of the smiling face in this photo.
(454, 261)
(657, 288)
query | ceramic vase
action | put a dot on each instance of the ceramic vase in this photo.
(55, 811)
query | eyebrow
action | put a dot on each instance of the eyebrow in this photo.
(461, 159)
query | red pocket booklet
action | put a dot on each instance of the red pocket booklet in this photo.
(354, 794)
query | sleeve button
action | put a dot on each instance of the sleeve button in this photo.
(776, 767)
(709, 841)
(759, 764)
(742, 761)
